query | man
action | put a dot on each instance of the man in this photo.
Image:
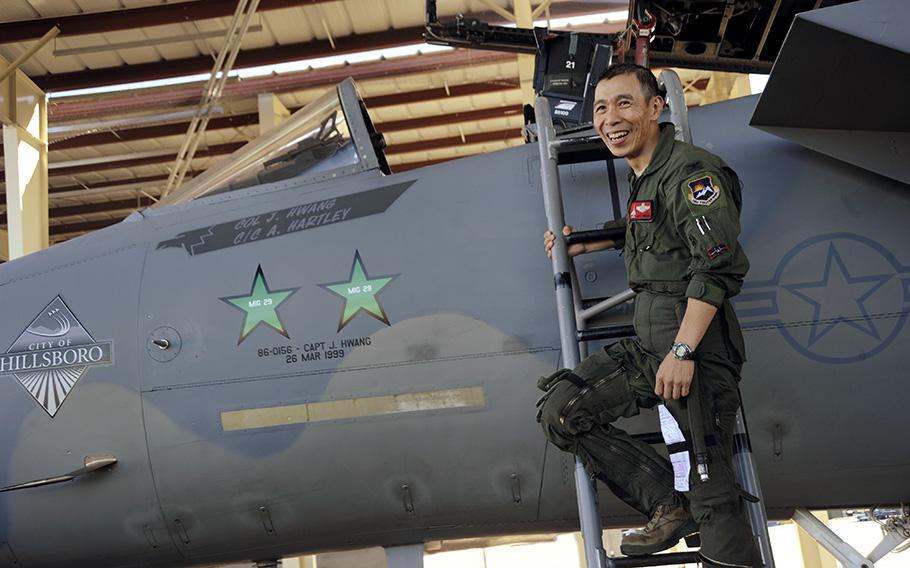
(683, 259)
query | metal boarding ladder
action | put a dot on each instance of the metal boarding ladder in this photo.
(574, 334)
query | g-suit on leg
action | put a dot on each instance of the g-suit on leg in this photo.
(578, 413)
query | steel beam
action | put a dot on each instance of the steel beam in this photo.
(61, 110)
(843, 552)
(407, 166)
(132, 18)
(84, 226)
(24, 117)
(89, 208)
(440, 93)
(114, 136)
(214, 150)
(271, 112)
(249, 119)
(436, 143)
(445, 119)
(112, 183)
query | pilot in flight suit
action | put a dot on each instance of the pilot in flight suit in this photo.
(680, 243)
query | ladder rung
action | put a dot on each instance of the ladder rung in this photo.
(670, 559)
(581, 149)
(612, 332)
(596, 235)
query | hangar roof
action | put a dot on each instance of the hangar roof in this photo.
(111, 152)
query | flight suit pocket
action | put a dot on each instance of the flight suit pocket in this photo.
(609, 395)
(602, 396)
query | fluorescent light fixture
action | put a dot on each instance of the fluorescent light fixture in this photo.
(129, 86)
(334, 60)
(290, 67)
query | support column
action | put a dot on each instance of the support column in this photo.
(724, 86)
(524, 19)
(271, 112)
(405, 556)
(23, 111)
(4, 245)
(814, 556)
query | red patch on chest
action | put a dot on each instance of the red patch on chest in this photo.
(641, 211)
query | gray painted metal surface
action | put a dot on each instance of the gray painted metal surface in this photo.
(239, 442)
(839, 82)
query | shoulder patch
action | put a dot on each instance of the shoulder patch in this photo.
(703, 191)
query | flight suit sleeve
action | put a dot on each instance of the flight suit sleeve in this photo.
(705, 208)
(617, 224)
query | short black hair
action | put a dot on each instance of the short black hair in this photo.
(644, 75)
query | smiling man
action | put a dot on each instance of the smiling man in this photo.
(684, 261)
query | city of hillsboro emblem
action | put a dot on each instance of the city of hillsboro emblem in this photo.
(52, 354)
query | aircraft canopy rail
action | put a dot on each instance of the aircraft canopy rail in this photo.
(329, 138)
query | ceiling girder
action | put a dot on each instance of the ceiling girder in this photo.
(88, 208)
(132, 18)
(112, 183)
(436, 143)
(190, 95)
(214, 150)
(83, 227)
(238, 120)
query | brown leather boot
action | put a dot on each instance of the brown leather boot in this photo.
(668, 524)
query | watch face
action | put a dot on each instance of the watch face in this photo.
(680, 351)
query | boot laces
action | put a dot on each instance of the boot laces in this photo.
(658, 517)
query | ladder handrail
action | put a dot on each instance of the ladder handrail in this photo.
(588, 512)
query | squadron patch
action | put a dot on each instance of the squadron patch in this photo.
(642, 211)
(718, 250)
(703, 191)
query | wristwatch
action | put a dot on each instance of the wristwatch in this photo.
(682, 351)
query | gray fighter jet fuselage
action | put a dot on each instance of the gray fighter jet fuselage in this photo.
(294, 367)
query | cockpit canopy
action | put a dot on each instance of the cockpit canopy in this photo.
(331, 137)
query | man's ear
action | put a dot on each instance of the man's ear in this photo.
(657, 106)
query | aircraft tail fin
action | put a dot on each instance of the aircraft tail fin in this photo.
(839, 86)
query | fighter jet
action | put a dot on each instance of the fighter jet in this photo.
(348, 357)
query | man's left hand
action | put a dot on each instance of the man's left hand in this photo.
(674, 377)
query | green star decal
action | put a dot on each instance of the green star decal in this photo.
(359, 293)
(260, 306)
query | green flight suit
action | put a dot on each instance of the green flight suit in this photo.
(682, 226)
